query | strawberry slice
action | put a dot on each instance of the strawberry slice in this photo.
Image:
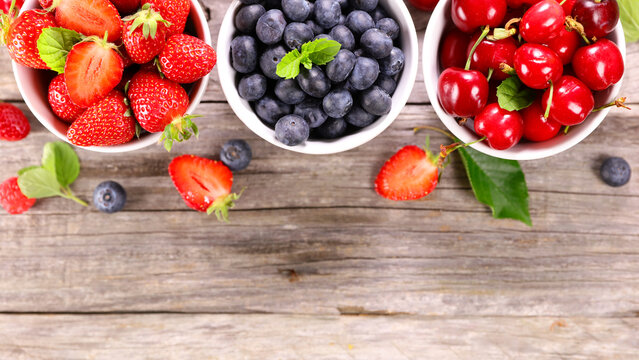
(92, 70)
(204, 184)
(89, 17)
(410, 174)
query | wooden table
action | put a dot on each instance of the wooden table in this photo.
(314, 265)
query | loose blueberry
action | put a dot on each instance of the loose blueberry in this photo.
(394, 63)
(109, 197)
(344, 36)
(311, 111)
(359, 21)
(359, 117)
(314, 82)
(244, 54)
(313, 25)
(252, 87)
(389, 26)
(339, 69)
(236, 154)
(364, 73)
(289, 92)
(387, 83)
(376, 101)
(376, 43)
(615, 171)
(246, 18)
(297, 34)
(332, 128)
(327, 13)
(270, 27)
(337, 103)
(296, 10)
(270, 110)
(378, 14)
(292, 130)
(269, 60)
(366, 5)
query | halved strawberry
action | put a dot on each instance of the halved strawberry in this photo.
(410, 174)
(204, 184)
(89, 17)
(92, 70)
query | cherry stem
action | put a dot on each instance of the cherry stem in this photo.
(507, 69)
(483, 35)
(566, 129)
(550, 96)
(449, 149)
(561, 3)
(490, 73)
(574, 25)
(620, 103)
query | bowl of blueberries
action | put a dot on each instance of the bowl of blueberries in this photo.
(331, 98)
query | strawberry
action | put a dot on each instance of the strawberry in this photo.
(205, 185)
(186, 58)
(144, 34)
(14, 125)
(174, 11)
(126, 6)
(108, 122)
(126, 59)
(5, 5)
(89, 17)
(60, 101)
(12, 199)
(45, 3)
(20, 35)
(92, 70)
(410, 174)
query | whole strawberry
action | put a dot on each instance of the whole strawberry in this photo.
(20, 35)
(14, 125)
(108, 122)
(144, 34)
(12, 199)
(186, 58)
(174, 11)
(45, 3)
(60, 101)
(126, 6)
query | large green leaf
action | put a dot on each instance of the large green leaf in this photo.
(629, 13)
(60, 159)
(54, 45)
(39, 183)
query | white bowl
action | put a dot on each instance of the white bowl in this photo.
(397, 10)
(440, 21)
(34, 84)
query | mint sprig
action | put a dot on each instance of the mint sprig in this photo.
(317, 52)
(54, 45)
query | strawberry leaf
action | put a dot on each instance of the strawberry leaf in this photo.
(54, 45)
(38, 183)
(629, 16)
(60, 159)
(513, 95)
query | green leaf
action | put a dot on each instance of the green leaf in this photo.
(629, 15)
(24, 170)
(317, 52)
(324, 51)
(60, 159)
(499, 184)
(39, 183)
(513, 95)
(289, 66)
(54, 44)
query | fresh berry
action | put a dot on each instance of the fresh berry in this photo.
(394, 63)
(174, 11)
(108, 122)
(565, 45)
(244, 54)
(312, 111)
(297, 10)
(289, 92)
(491, 54)
(387, 83)
(270, 110)
(469, 15)
(364, 74)
(89, 17)
(599, 17)
(375, 101)
(5, 5)
(453, 49)
(109, 197)
(292, 130)
(12, 199)
(410, 174)
(344, 36)
(61, 102)
(252, 87)
(246, 18)
(296, 34)
(536, 126)
(186, 58)
(462, 93)
(542, 22)
(599, 65)
(568, 5)
(426, 5)
(236, 154)
(358, 22)
(341, 67)
(14, 125)
(502, 128)
(537, 65)
(516, 4)
(615, 171)
(270, 27)
(126, 6)
(327, 13)
(366, 5)
(20, 35)
(338, 103)
(144, 34)
(376, 43)
(572, 101)
(389, 26)
(314, 82)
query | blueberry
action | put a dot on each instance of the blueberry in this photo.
(394, 63)
(252, 87)
(378, 14)
(313, 25)
(314, 82)
(339, 69)
(343, 4)
(296, 10)
(359, 117)
(387, 83)
(269, 60)
(376, 43)
(364, 73)
(311, 110)
(323, 36)
(270, 110)
(337, 103)
(389, 26)
(297, 34)
(366, 5)
(376, 101)
(270, 27)
(244, 54)
(342, 20)
(250, 2)
(246, 18)
(332, 128)
(359, 21)
(327, 13)
(289, 92)
(292, 130)
(615, 171)
(109, 197)
(359, 52)
(236, 154)
(344, 36)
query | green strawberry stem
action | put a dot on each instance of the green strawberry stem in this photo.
(148, 19)
(222, 205)
(68, 194)
(180, 129)
(483, 35)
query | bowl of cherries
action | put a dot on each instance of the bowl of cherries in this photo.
(527, 78)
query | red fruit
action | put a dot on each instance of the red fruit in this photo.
(469, 15)
(502, 128)
(14, 125)
(12, 199)
(426, 5)
(492, 91)
(599, 65)
(536, 127)
(126, 59)
(518, 3)
(45, 4)
(490, 54)
(568, 5)
(565, 45)
(126, 6)
(90, 17)
(572, 101)
(174, 11)
(453, 49)
(599, 17)
(542, 22)
(61, 102)
(5, 5)
(92, 70)
(462, 93)
(21, 36)
(410, 174)
(106, 123)
(537, 65)
(144, 34)
(186, 58)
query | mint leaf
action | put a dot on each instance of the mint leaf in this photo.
(513, 95)
(497, 183)
(324, 51)
(629, 16)
(317, 52)
(24, 170)
(289, 66)
(39, 183)
(54, 45)
(60, 159)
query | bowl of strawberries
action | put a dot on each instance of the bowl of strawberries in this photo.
(112, 76)
(524, 79)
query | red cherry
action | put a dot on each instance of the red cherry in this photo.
(426, 5)
(453, 49)
(469, 15)
(462, 93)
(599, 17)
(537, 65)
(490, 54)
(536, 126)
(518, 3)
(572, 101)
(502, 128)
(542, 22)
(599, 65)
(568, 5)
(565, 45)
